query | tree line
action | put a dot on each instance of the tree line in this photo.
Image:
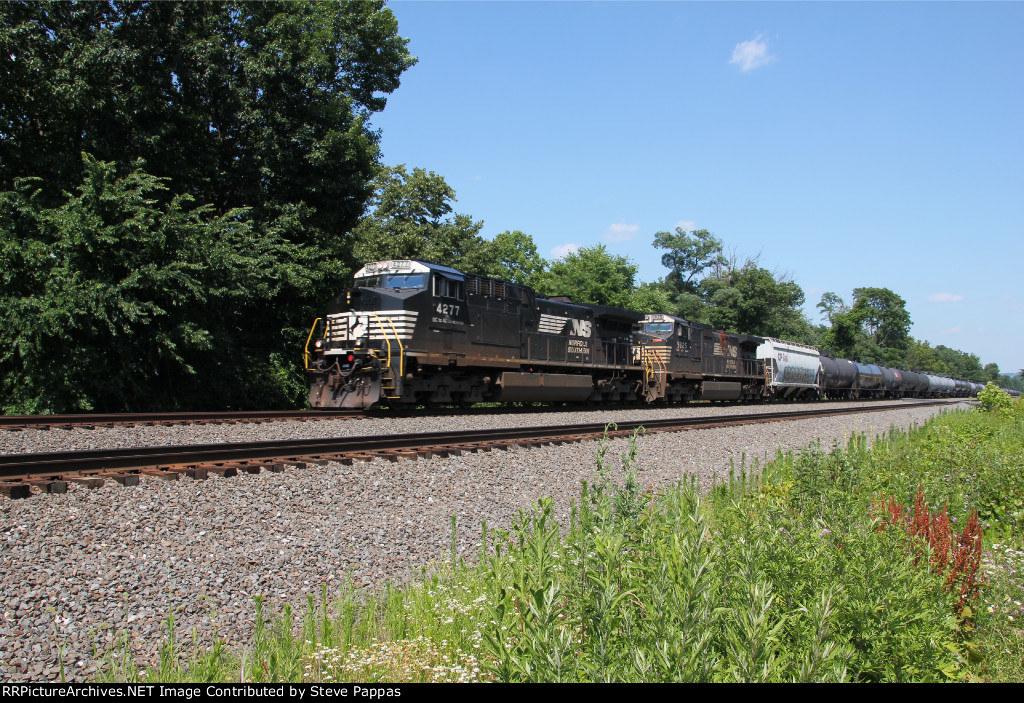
(176, 182)
(412, 215)
(184, 185)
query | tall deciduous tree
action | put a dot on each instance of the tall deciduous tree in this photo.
(116, 299)
(884, 316)
(256, 111)
(412, 217)
(259, 105)
(832, 305)
(688, 254)
(876, 329)
(590, 275)
(752, 300)
(512, 255)
(922, 357)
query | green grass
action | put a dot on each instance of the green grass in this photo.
(788, 573)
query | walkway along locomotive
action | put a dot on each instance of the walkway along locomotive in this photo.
(412, 332)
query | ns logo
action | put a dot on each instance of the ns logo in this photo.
(580, 328)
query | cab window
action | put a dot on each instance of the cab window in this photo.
(447, 288)
(395, 280)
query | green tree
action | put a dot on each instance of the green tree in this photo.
(590, 275)
(704, 285)
(875, 329)
(922, 357)
(412, 217)
(688, 255)
(116, 300)
(832, 305)
(961, 365)
(256, 111)
(884, 316)
(752, 300)
(650, 298)
(845, 334)
(512, 256)
(258, 105)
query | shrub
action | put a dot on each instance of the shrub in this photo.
(993, 398)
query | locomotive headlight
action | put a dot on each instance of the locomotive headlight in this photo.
(319, 344)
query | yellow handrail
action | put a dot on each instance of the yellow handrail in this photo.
(383, 334)
(308, 340)
(401, 348)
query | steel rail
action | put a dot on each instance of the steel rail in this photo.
(93, 419)
(106, 460)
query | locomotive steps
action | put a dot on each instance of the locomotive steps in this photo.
(51, 472)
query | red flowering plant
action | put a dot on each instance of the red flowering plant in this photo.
(956, 556)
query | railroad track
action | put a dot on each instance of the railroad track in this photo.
(51, 472)
(92, 420)
(15, 423)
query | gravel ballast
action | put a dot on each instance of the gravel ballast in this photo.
(58, 440)
(83, 568)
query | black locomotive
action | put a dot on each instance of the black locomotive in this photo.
(412, 332)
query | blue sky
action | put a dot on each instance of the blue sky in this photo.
(849, 144)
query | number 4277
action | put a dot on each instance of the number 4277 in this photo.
(448, 309)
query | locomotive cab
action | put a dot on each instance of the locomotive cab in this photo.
(360, 355)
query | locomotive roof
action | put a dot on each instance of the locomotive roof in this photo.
(407, 266)
(613, 313)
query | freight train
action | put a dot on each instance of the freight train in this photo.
(410, 332)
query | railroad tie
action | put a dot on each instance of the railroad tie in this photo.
(194, 472)
(315, 460)
(165, 474)
(125, 479)
(49, 485)
(86, 481)
(222, 470)
(15, 490)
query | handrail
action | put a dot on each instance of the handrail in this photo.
(401, 348)
(308, 340)
(384, 335)
(651, 361)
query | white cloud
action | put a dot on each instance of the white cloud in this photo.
(752, 54)
(686, 225)
(952, 330)
(621, 232)
(562, 249)
(944, 298)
